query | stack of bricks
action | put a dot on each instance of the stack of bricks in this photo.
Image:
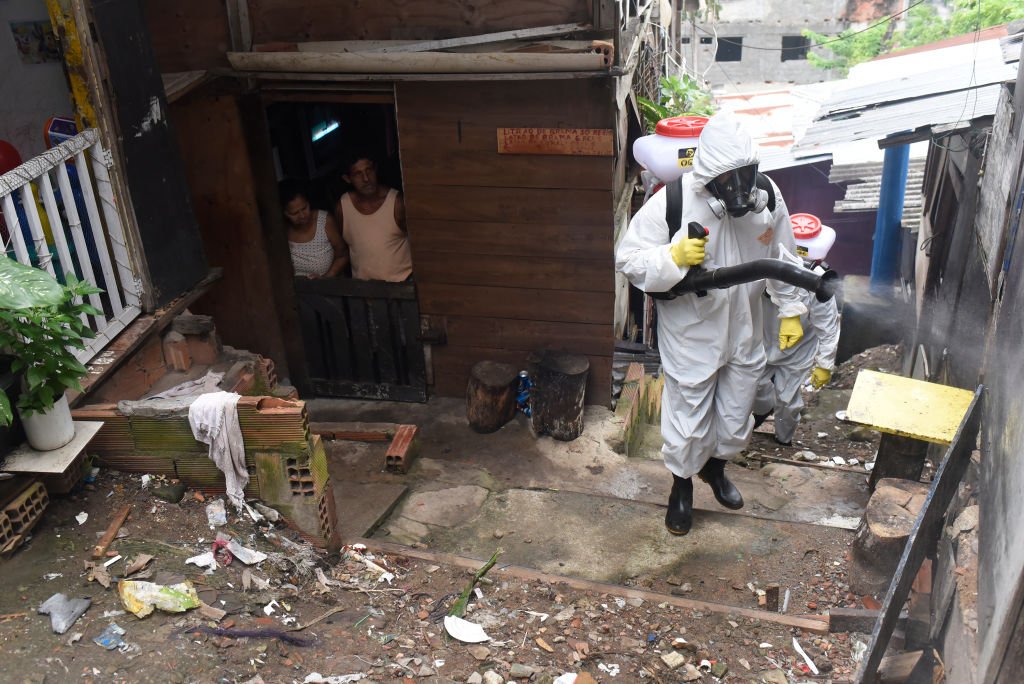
(24, 500)
(287, 466)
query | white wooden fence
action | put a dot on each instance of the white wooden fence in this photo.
(78, 231)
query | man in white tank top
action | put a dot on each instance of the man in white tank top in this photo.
(372, 220)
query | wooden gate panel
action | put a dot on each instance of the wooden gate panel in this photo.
(362, 339)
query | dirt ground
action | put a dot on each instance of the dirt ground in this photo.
(392, 631)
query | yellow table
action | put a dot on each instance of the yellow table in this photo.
(910, 408)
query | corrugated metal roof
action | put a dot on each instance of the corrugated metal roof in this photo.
(945, 87)
(955, 109)
(865, 183)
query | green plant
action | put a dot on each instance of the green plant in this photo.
(923, 26)
(678, 96)
(41, 334)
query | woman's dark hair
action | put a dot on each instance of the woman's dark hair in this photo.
(290, 188)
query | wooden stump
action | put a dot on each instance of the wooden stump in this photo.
(491, 396)
(898, 456)
(888, 520)
(556, 396)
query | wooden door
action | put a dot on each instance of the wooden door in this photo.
(362, 338)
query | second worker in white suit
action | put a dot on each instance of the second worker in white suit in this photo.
(712, 351)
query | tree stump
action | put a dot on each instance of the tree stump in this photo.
(491, 396)
(559, 381)
(888, 520)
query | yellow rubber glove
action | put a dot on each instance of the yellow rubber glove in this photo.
(688, 251)
(790, 332)
(820, 377)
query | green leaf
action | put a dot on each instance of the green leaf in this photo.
(6, 415)
(24, 287)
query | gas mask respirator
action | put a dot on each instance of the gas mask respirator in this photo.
(737, 192)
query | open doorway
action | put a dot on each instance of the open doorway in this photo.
(360, 332)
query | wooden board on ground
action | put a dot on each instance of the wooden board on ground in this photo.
(924, 535)
(908, 407)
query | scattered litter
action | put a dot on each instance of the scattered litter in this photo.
(145, 479)
(111, 561)
(869, 466)
(82, 517)
(52, 576)
(705, 666)
(97, 574)
(803, 654)
(141, 561)
(673, 660)
(280, 635)
(141, 598)
(542, 616)
(744, 663)
(112, 613)
(74, 638)
(317, 678)
(63, 611)
(859, 650)
(215, 513)
(567, 678)
(821, 435)
(464, 630)
(544, 645)
(785, 601)
(805, 455)
(839, 460)
(211, 613)
(841, 415)
(203, 560)
(612, 669)
(247, 556)
(269, 608)
(765, 644)
(220, 550)
(356, 552)
(268, 512)
(110, 638)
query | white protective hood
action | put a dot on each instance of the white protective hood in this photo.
(723, 145)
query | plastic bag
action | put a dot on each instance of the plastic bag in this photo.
(142, 597)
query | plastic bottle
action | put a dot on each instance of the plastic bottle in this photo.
(523, 393)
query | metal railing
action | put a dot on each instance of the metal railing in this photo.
(58, 213)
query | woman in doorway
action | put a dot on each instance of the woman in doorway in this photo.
(314, 241)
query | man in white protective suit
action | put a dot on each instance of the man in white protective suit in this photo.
(712, 352)
(812, 358)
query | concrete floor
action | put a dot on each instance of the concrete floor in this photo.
(577, 508)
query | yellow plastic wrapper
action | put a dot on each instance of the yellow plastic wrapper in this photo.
(141, 598)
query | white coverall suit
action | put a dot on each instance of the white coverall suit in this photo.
(712, 351)
(790, 368)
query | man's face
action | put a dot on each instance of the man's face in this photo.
(362, 176)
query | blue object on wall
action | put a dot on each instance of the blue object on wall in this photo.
(885, 256)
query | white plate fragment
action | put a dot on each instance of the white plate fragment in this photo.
(464, 630)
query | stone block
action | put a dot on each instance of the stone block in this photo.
(176, 351)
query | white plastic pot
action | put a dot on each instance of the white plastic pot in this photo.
(668, 152)
(51, 429)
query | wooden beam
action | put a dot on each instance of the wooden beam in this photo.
(518, 34)
(924, 534)
(413, 62)
(108, 536)
(809, 624)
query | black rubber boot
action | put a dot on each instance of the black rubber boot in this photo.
(726, 493)
(759, 418)
(679, 517)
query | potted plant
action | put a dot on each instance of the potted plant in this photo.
(42, 325)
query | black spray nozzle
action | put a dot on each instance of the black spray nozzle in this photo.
(695, 231)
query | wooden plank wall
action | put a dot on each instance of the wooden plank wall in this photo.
(220, 176)
(287, 20)
(188, 34)
(511, 253)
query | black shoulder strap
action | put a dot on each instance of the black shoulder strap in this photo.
(674, 206)
(765, 184)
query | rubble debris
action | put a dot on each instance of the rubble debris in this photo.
(141, 598)
(171, 493)
(317, 678)
(82, 517)
(63, 611)
(247, 556)
(232, 633)
(203, 560)
(138, 563)
(803, 654)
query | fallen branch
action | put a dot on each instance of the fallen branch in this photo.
(108, 536)
(459, 607)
